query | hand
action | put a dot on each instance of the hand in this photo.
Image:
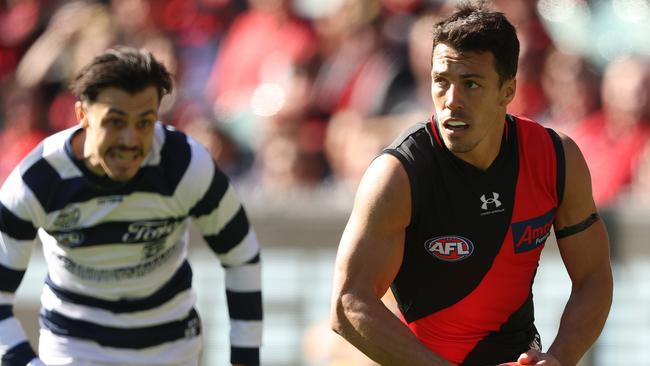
(533, 357)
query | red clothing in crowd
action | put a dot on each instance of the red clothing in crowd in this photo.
(16, 145)
(258, 42)
(612, 158)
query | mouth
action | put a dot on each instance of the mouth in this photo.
(125, 155)
(455, 125)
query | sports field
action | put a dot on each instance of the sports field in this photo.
(297, 278)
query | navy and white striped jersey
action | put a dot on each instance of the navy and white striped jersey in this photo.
(119, 284)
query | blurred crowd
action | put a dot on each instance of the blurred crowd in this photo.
(300, 95)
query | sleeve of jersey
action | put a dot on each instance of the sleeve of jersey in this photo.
(222, 220)
(17, 235)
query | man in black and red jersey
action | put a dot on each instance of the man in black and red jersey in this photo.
(453, 217)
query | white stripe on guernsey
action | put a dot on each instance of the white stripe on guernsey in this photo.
(15, 254)
(27, 162)
(11, 334)
(55, 350)
(54, 153)
(158, 141)
(245, 333)
(132, 285)
(212, 223)
(176, 308)
(246, 278)
(52, 145)
(198, 177)
(36, 362)
(123, 208)
(243, 252)
(7, 298)
(11, 189)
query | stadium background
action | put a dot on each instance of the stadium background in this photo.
(294, 98)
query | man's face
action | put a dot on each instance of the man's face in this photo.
(469, 102)
(118, 131)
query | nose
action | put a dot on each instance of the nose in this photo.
(453, 98)
(129, 136)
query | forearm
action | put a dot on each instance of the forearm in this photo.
(372, 328)
(244, 296)
(243, 282)
(583, 318)
(14, 346)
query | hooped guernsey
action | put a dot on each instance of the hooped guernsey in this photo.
(473, 245)
(119, 285)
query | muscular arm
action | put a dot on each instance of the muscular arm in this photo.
(586, 256)
(368, 259)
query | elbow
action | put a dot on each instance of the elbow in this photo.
(341, 313)
(338, 317)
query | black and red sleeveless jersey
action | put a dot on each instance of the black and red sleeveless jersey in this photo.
(473, 244)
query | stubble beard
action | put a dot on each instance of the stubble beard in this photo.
(459, 147)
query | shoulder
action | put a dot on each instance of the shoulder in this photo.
(177, 152)
(578, 200)
(47, 164)
(188, 165)
(538, 140)
(412, 144)
(29, 188)
(385, 170)
(384, 192)
(577, 171)
(572, 154)
(170, 140)
(412, 133)
(52, 149)
(168, 137)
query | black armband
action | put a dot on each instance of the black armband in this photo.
(574, 229)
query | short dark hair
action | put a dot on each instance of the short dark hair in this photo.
(126, 68)
(473, 28)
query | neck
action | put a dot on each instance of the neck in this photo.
(482, 158)
(486, 151)
(78, 142)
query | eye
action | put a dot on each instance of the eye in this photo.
(114, 122)
(441, 82)
(470, 84)
(145, 123)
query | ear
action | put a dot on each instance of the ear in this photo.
(80, 113)
(508, 90)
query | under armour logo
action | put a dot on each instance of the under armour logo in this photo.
(494, 200)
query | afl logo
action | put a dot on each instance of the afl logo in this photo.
(449, 248)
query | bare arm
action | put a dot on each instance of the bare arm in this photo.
(369, 257)
(586, 257)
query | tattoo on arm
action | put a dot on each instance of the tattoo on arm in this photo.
(574, 229)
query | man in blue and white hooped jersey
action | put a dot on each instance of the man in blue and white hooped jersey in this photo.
(110, 200)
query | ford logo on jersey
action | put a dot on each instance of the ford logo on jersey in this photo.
(449, 248)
